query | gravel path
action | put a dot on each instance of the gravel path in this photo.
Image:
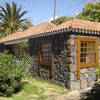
(73, 95)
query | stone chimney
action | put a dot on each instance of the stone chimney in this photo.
(20, 30)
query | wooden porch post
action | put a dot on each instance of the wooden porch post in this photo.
(78, 58)
(39, 63)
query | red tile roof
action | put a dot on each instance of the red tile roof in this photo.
(34, 30)
(46, 27)
(79, 24)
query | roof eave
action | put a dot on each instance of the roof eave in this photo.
(70, 29)
(14, 42)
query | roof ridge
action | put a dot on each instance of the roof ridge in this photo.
(85, 20)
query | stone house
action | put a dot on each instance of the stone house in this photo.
(67, 54)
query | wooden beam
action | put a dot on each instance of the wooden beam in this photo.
(97, 52)
(51, 72)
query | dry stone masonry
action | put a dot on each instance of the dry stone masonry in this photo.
(64, 64)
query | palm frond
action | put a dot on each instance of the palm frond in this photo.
(11, 18)
(8, 8)
(3, 10)
(14, 10)
(22, 14)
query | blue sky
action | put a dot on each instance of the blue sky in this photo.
(42, 10)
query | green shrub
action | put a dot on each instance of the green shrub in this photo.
(11, 74)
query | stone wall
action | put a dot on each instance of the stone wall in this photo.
(61, 61)
(61, 58)
(65, 63)
(2, 48)
(87, 75)
(34, 46)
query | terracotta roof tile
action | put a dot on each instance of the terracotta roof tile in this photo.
(49, 27)
(34, 30)
(79, 24)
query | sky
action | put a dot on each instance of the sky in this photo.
(42, 10)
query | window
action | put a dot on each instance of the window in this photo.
(46, 52)
(46, 56)
(87, 53)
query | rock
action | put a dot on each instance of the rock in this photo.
(90, 82)
(73, 76)
(73, 68)
(94, 76)
(55, 60)
(86, 75)
(84, 70)
(92, 68)
(70, 60)
(71, 41)
(60, 59)
(81, 76)
(84, 84)
(75, 85)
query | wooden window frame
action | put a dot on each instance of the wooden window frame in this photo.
(46, 63)
(86, 64)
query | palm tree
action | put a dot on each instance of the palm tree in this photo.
(11, 18)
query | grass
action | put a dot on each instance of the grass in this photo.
(37, 89)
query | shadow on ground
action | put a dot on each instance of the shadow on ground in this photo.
(21, 88)
(17, 90)
(92, 94)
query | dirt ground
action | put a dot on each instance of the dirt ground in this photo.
(73, 95)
